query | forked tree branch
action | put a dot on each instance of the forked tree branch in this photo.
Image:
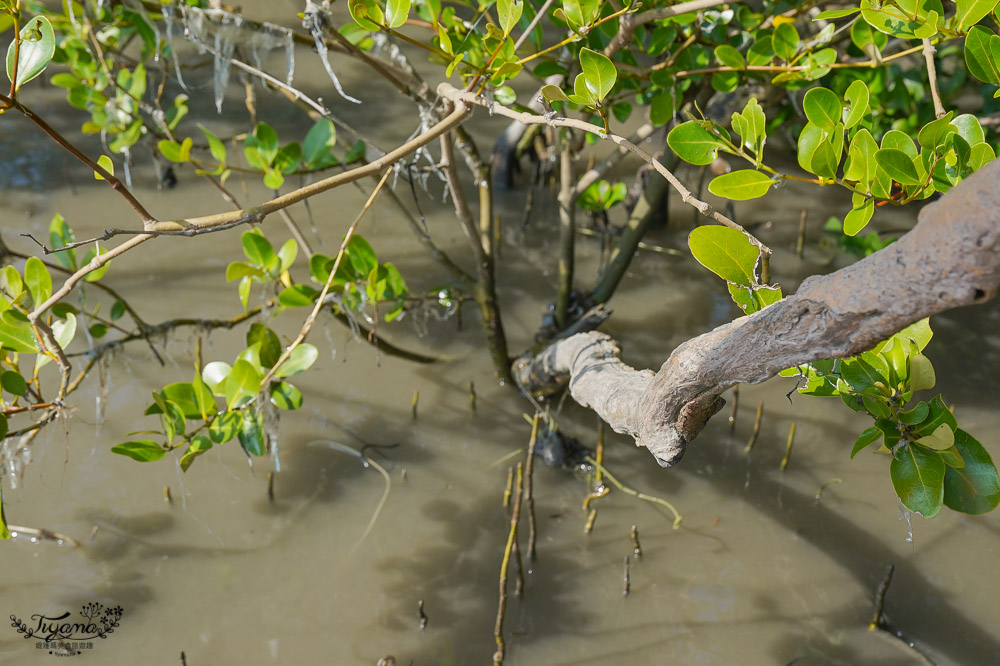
(950, 259)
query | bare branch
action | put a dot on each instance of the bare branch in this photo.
(217, 222)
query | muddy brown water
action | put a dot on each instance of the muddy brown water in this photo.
(759, 572)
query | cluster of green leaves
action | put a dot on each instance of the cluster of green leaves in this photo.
(360, 279)
(264, 153)
(947, 150)
(591, 86)
(20, 293)
(933, 461)
(601, 196)
(190, 414)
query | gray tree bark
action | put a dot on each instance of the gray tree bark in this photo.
(950, 259)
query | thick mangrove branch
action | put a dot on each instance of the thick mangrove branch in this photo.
(950, 259)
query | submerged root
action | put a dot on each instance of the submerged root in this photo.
(367, 462)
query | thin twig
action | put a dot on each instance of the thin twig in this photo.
(504, 565)
(113, 182)
(788, 448)
(529, 498)
(450, 92)
(756, 428)
(929, 51)
(635, 493)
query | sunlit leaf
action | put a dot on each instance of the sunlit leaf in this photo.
(38, 45)
(143, 450)
(728, 253)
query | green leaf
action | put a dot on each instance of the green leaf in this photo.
(751, 126)
(215, 145)
(241, 269)
(214, 374)
(915, 415)
(273, 180)
(728, 253)
(361, 255)
(729, 56)
(973, 488)
(11, 282)
(242, 384)
(967, 124)
(13, 383)
(105, 163)
(951, 458)
(252, 434)
(857, 98)
(3, 434)
(835, 14)
(505, 95)
(224, 427)
(918, 477)
(317, 150)
(661, 108)
(96, 251)
(980, 55)
(259, 250)
(252, 356)
(725, 82)
(785, 41)
(270, 346)
(176, 152)
(980, 155)
(264, 141)
(38, 45)
(509, 13)
(810, 138)
(286, 255)
(754, 299)
(861, 372)
(858, 218)
(942, 438)
(366, 13)
(396, 12)
(16, 338)
(866, 439)
(300, 360)
(191, 402)
(143, 450)
(598, 72)
(921, 373)
(939, 414)
(741, 185)
(288, 159)
(693, 143)
(822, 108)
(198, 446)
(117, 310)
(970, 12)
(285, 396)
(554, 93)
(898, 165)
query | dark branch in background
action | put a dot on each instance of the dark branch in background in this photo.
(950, 259)
(485, 288)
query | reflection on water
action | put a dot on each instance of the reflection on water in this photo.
(758, 574)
